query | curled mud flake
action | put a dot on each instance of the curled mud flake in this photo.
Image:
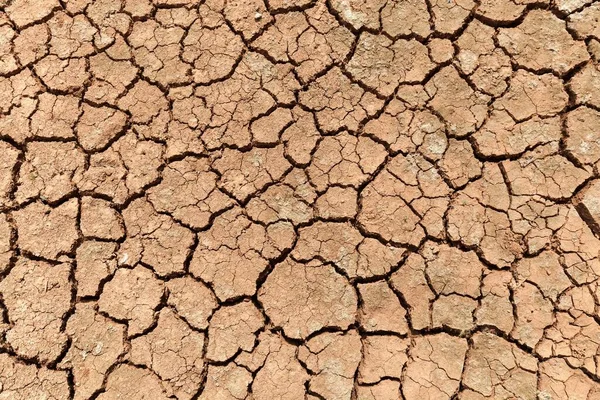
(282, 376)
(144, 101)
(332, 359)
(463, 109)
(174, 352)
(70, 37)
(96, 261)
(530, 95)
(213, 51)
(50, 171)
(132, 295)
(100, 220)
(305, 298)
(124, 169)
(247, 17)
(343, 245)
(380, 309)
(496, 369)
(26, 12)
(541, 42)
(156, 49)
(501, 136)
(559, 381)
(133, 383)
(245, 173)
(383, 357)
(228, 382)
(383, 390)
(47, 232)
(576, 338)
(586, 23)
(459, 164)
(545, 173)
(67, 75)
(345, 159)
(382, 64)
(55, 116)
(110, 78)
(434, 367)
(339, 103)
(501, 10)
(545, 272)
(155, 239)
(188, 191)
(9, 156)
(280, 203)
(534, 313)
(233, 328)
(192, 300)
(406, 131)
(586, 85)
(98, 126)
(337, 203)
(411, 282)
(474, 225)
(233, 253)
(487, 66)
(496, 308)
(450, 15)
(405, 18)
(37, 296)
(312, 41)
(31, 44)
(26, 381)
(360, 13)
(96, 344)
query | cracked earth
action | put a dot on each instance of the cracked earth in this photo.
(299, 200)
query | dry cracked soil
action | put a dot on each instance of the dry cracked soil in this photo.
(299, 199)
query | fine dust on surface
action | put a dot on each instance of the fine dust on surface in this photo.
(299, 199)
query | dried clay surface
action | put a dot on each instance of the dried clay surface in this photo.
(299, 199)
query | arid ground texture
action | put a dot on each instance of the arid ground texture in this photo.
(299, 199)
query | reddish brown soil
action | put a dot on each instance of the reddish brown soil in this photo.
(299, 199)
